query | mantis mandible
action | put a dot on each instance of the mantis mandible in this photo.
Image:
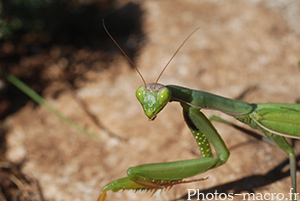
(276, 121)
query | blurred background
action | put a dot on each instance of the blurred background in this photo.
(246, 50)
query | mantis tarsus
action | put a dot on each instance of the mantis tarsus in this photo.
(275, 120)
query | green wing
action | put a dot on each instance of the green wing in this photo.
(280, 119)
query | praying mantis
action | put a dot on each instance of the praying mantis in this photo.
(275, 120)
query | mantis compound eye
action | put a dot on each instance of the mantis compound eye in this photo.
(163, 96)
(140, 93)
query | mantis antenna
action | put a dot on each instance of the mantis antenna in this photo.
(124, 54)
(174, 55)
(135, 65)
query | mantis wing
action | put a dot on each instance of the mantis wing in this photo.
(280, 119)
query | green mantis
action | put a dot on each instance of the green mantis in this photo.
(276, 121)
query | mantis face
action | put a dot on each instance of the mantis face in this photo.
(153, 98)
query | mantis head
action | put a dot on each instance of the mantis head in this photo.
(153, 98)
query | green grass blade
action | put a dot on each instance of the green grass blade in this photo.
(40, 100)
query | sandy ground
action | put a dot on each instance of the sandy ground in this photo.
(248, 49)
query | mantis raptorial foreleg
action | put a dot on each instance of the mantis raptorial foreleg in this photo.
(275, 121)
(163, 175)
